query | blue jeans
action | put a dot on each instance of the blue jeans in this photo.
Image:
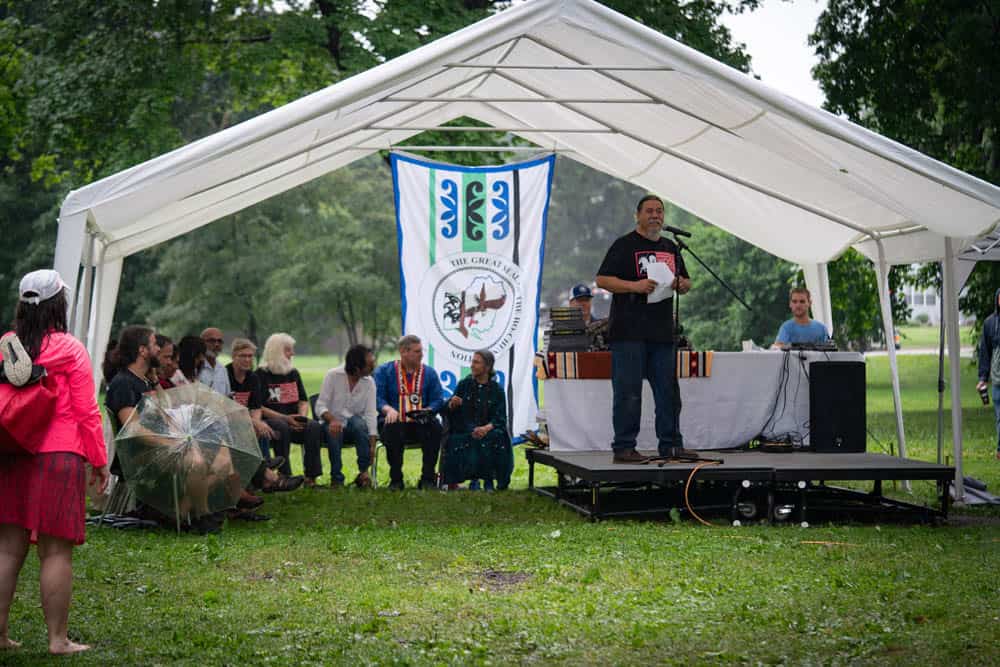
(355, 431)
(265, 447)
(996, 410)
(631, 362)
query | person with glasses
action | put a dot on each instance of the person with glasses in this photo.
(641, 332)
(213, 373)
(247, 391)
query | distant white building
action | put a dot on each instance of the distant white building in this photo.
(923, 301)
(927, 301)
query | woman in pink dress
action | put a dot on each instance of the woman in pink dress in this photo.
(42, 496)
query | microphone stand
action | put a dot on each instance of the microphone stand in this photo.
(682, 247)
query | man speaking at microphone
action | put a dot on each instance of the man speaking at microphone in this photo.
(641, 330)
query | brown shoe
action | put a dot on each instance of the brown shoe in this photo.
(248, 501)
(628, 456)
(336, 484)
(363, 481)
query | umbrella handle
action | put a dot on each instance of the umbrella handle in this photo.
(177, 507)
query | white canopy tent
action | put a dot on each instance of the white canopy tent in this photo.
(958, 257)
(573, 76)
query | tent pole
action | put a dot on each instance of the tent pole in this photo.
(950, 288)
(824, 282)
(81, 306)
(87, 292)
(95, 314)
(887, 328)
(940, 385)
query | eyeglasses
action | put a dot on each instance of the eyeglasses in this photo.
(217, 341)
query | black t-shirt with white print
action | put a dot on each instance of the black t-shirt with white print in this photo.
(282, 393)
(247, 393)
(632, 318)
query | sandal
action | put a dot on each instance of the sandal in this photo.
(16, 362)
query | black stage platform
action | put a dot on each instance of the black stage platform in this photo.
(745, 486)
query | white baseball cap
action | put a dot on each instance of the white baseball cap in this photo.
(40, 285)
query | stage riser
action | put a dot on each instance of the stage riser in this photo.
(605, 489)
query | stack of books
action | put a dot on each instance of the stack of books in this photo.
(567, 332)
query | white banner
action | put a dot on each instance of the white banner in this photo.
(471, 247)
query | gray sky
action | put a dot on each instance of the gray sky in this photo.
(775, 36)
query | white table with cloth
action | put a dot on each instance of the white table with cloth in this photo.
(746, 392)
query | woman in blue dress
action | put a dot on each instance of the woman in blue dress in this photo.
(478, 442)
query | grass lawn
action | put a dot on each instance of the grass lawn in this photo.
(928, 337)
(352, 577)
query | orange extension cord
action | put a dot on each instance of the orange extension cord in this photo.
(687, 486)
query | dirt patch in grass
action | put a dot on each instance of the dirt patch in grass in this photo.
(498, 580)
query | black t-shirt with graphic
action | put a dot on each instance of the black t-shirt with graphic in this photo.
(282, 393)
(247, 393)
(632, 318)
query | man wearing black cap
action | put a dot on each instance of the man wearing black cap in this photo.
(641, 331)
(597, 330)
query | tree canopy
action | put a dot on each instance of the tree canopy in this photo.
(90, 88)
(926, 74)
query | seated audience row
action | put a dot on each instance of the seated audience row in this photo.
(399, 402)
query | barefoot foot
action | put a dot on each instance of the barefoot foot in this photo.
(66, 647)
(7, 643)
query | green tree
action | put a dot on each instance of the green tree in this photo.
(711, 316)
(926, 74)
(94, 88)
(854, 299)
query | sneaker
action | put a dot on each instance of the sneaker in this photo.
(16, 362)
(628, 456)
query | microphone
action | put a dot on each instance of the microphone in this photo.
(675, 230)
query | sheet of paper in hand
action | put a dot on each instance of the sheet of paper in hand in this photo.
(664, 278)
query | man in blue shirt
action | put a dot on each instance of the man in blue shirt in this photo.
(800, 329)
(402, 387)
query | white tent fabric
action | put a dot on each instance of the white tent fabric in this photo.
(958, 257)
(569, 75)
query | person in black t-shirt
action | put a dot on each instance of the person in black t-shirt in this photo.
(642, 333)
(286, 407)
(134, 356)
(245, 388)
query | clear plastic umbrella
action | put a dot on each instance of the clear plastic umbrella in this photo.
(188, 451)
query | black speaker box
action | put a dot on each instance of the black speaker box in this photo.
(837, 412)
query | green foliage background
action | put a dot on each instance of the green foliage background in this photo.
(90, 88)
(926, 74)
